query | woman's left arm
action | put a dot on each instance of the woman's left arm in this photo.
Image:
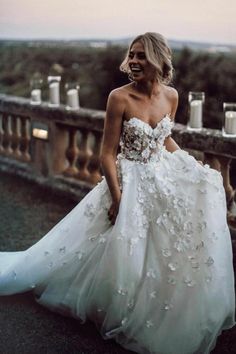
(170, 144)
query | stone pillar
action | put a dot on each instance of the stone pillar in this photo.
(212, 161)
(48, 154)
(58, 143)
(225, 167)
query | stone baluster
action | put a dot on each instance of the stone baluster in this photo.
(212, 160)
(94, 165)
(6, 124)
(72, 153)
(230, 192)
(225, 168)
(222, 164)
(1, 134)
(15, 137)
(84, 156)
(58, 144)
(25, 139)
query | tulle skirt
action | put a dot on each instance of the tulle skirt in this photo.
(158, 281)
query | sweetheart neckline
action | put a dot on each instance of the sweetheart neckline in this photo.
(149, 125)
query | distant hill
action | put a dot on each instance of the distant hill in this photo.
(124, 42)
(180, 44)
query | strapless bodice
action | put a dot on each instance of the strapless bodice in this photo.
(141, 142)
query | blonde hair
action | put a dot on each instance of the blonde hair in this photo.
(158, 54)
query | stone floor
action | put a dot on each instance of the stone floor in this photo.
(26, 213)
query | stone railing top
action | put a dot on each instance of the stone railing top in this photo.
(83, 117)
(206, 140)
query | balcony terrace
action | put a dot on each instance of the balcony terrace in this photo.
(58, 151)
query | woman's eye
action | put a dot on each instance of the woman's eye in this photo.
(141, 56)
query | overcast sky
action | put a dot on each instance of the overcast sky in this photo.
(197, 20)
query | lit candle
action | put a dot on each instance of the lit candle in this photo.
(195, 120)
(72, 99)
(230, 122)
(40, 133)
(36, 96)
(54, 94)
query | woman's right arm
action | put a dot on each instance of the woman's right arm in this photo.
(111, 138)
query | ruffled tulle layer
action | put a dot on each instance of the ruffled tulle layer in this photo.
(160, 280)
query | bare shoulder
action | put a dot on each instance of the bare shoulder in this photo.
(120, 94)
(171, 93)
(173, 97)
(116, 104)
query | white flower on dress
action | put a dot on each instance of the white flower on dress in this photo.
(140, 142)
(189, 282)
(124, 321)
(167, 305)
(209, 262)
(89, 210)
(151, 273)
(149, 323)
(153, 294)
(122, 291)
(173, 266)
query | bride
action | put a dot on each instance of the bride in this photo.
(147, 253)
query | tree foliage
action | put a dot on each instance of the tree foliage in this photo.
(97, 70)
(214, 74)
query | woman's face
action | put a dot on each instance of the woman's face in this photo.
(140, 68)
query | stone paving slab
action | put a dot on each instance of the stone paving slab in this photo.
(27, 212)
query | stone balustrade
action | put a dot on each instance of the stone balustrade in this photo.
(67, 154)
(70, 149)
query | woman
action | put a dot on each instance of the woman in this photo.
(148, 64)
(147, 253)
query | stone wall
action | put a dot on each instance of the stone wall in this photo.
(60, 148)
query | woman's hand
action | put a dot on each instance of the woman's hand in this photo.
(113, 211)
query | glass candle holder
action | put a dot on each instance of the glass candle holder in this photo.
(72, 95)
(36, 87)
(229, 125)
(196, 101)
(54, 90)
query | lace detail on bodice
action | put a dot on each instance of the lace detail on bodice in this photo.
(140, 142)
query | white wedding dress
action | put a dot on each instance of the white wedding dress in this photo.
(161, 279)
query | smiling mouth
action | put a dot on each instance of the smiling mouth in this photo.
(135, 69)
